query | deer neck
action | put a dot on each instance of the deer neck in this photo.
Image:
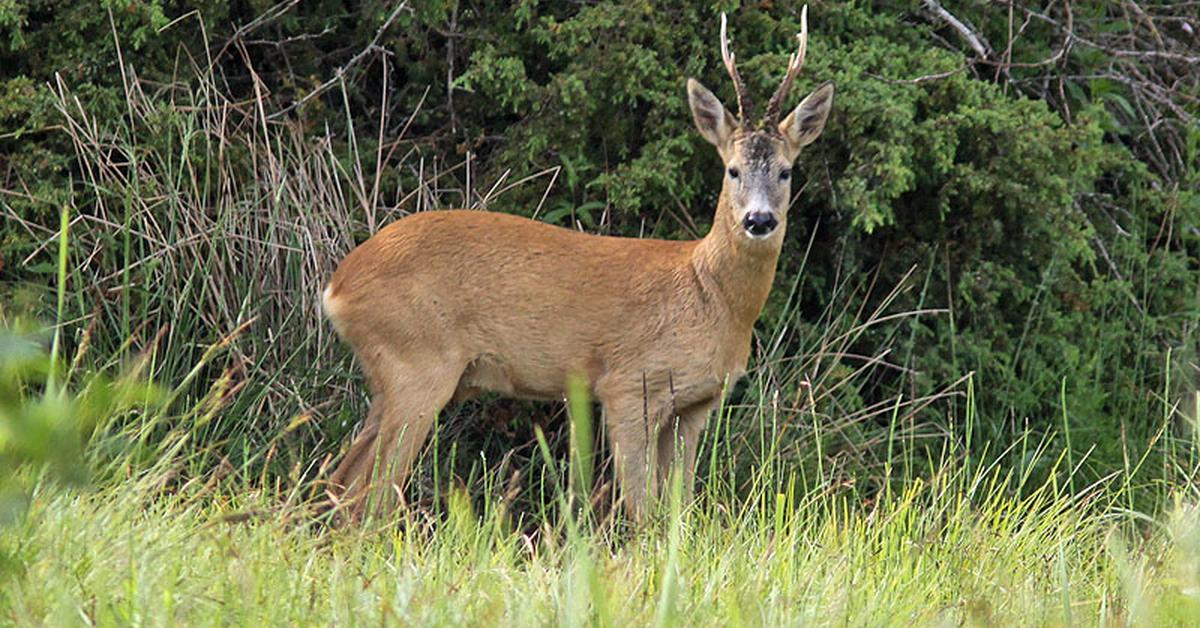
(739, 270)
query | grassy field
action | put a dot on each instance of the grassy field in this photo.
(964, 545)
(936, 537)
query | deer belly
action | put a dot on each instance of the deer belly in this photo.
(490, 373)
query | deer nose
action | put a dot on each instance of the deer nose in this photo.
(759, 224)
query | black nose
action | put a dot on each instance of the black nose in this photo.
(760, 223)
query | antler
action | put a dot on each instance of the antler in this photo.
(794, 65)
(744, 104)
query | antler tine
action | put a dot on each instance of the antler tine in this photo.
(744, 105)
(794, 65)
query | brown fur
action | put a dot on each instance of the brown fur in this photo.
(441, 305)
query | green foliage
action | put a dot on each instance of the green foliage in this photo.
(45, 432)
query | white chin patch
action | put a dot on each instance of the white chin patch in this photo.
(758, 236)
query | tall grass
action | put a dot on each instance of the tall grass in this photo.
(200, 233)
(955, 542)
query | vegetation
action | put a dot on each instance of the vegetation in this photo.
(958, 540)
(972, 396)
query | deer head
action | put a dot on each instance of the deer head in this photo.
(758, 156)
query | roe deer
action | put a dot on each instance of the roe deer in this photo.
(441, 305)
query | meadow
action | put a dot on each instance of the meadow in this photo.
(971, 398)
(942, 539)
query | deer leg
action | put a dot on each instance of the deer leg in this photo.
(362, 451)
(677, 444)
(630, 432)
(379, 460)
(364, 448)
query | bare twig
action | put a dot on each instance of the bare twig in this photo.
(338, 74)
(280, 43)
(922, 79)
(269, 15)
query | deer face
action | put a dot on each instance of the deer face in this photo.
(758, 158)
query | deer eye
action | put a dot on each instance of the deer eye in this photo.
(784, 175)
(734, 173)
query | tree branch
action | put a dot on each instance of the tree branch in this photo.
(976, 41)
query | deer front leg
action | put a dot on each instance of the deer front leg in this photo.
(677, 444)
(629, 432)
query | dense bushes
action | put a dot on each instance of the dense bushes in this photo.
(1043, 214)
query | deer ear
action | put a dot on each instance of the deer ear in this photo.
(713, 121)
(805, 123)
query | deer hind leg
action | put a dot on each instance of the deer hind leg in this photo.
(677, 444)
(407, 395)
(364, 448)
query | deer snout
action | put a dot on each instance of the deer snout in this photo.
(760, 224)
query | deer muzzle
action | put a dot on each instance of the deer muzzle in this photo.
(760, 224)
